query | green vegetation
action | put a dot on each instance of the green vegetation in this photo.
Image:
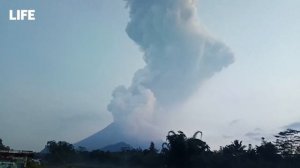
(3, 147)
(179, 151)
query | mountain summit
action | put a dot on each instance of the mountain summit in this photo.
(113, 134)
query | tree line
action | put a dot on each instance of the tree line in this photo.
(180, 151)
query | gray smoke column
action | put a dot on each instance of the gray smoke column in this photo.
(178, 54)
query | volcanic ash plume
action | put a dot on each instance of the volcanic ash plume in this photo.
(178, 54)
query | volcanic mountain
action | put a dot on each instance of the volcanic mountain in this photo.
(111, 135)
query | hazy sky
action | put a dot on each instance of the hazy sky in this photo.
(58, 72)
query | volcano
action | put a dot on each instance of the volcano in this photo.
(179, 54)
(111, 135)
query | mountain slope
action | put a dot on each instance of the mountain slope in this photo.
(112, 134)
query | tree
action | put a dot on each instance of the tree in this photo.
(3, 147)
(60, 151)
(196, 146)
(175, 149)
(287, 142)
(235, 149)
(267, 151)
(179, 150)
(152, 148)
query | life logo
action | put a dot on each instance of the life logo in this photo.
(21, 15)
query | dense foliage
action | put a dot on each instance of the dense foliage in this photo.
(180, 151)
(3, 147)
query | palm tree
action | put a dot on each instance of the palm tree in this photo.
(196, 133)
(236, 148)
(179, 149)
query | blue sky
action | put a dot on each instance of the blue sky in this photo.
(57, 73)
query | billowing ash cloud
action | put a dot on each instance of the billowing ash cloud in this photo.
(178, 54)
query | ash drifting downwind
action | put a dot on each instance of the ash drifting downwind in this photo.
(179, 55)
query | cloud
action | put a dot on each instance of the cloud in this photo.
(295, 125)
(234, 122)
(179, 56)
(256, 134)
